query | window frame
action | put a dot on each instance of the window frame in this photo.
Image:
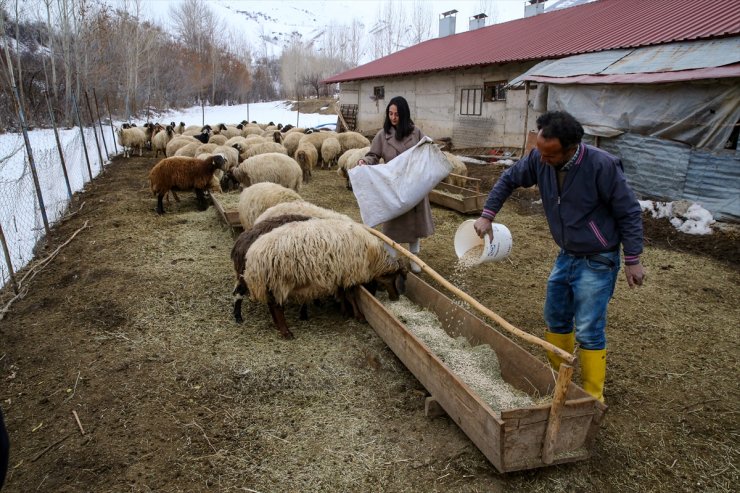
(477, 101)
(379, 92)
(494, 90)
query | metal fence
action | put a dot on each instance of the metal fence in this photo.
(63, 165)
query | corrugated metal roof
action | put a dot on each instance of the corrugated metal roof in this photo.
(597, 26)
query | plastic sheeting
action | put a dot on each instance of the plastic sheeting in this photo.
(702, 115)
(663, 170)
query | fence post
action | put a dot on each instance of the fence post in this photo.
(110, 120)
(7, 260)
(100, 124)
(82, 134)
(59, 144)
(95, 132)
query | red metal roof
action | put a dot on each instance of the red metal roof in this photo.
(596, 26)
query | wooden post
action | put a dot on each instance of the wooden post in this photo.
(95, 132)
(338, 111)
(59, 145)
(566, 356)
(100, 124)
(553, 421)
(82, 135)
(7, 260)
(526, 117)
(110, 120)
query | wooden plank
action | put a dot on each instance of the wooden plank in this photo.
(228, 216)
(462, 405)
(553, 421)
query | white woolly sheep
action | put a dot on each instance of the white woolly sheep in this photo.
(331, 149)
(303, 208)
(231, 155)
(251, 129)
(347, 161)
(273, 167)
(188, 150)
(183, 173)
(316, 139)
(290, 141)
(263, 148)
(177, 143)
(306, 157)
(130, 138)
(352, 140)
(255, 200)
(161, 139)
(308, 260)
(218, 139)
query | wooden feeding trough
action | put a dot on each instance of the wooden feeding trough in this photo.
(466, 199)
(514, 439)
(225, 205)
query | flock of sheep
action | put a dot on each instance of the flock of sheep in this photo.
(290, 250)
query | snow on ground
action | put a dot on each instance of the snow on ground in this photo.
(20, 214)
(687, 217)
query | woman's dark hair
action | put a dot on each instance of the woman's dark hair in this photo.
(562, 126)
(405, 123)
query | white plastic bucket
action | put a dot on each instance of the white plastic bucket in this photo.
(466, 238)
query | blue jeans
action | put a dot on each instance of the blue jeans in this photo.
(578, 291)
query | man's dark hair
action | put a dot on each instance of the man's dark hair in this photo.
(405, 124)
(562, 126)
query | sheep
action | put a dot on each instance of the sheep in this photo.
(290, 141)
(130, 138)
(236, 140)
(205, 148)
(352, 140)
(188, 150)
(255, 200)
(264, 148)
(161, 139)
(273, 136)
(316, 139)
(306, 157)
(214, 186)
(347, 161)
(251, 129)
(230, 154)
(458, 168)
(273, 167)
(218, 139)
(176, 143)
(179, 129)
(330, 152)
(300, 207)
(183, 173)
(239, 252)
(308, 260)
(203, 136)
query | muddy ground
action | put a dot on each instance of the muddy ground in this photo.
(129, 326)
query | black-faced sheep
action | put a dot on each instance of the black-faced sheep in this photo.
(271, 167)
(255, 200)
(240, 249)
(183, 173)
(309, 260)
(132, 138)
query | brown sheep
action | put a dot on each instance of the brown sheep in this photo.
(183, 173)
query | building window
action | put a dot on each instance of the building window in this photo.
(494, 90)
(378, 92)
(471, 101)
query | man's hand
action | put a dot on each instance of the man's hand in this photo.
(482, 227)
(635, 275)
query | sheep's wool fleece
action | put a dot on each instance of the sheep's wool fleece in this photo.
(180, 173)
(256, 199)
(303, 208)
(272, 167)
(303, 261)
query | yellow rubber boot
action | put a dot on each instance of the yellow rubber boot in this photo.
(566, 342)
(593, 371)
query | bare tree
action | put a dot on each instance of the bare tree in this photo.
(52, 57)
(422, 19)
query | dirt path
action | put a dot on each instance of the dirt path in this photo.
(130, 327)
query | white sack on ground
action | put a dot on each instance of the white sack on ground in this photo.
(386, 191)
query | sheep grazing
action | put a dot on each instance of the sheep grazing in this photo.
(290, 142)
(347, 161)
(309, 260)
(303, 208)
(183, 173)
(189, 149)
(273, 167)
(264, 148)
(352, 140)
(331, 149)
(316, 139)
(161, 139)
(176, 143)
(130, 138)
(256, 199)
(306, 157)
(239, 252)
(458, 168)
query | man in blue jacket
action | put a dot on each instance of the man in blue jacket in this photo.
(591, 211)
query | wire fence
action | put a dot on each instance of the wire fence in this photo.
(21, 220)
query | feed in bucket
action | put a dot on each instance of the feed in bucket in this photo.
(468, 245)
